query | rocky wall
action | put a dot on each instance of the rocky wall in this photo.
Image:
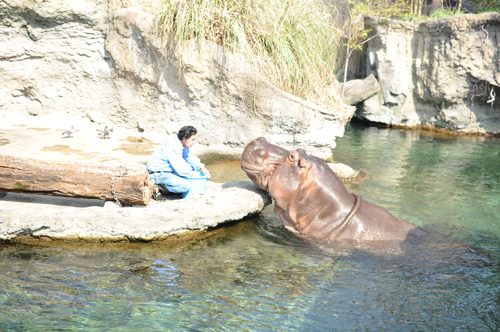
(439, 74)
(83, 59)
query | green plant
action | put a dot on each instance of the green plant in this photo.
(482, 6)
(493, 8)
(443, 13)
(410, 17)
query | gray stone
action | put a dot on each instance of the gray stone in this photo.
(62, 218)
(439, 73)
(356, 91)
(70, 219)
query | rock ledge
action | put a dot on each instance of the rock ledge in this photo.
(61, 218)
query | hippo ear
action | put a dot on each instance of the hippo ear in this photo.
(304, 163)
(302, 152)
(296, 158)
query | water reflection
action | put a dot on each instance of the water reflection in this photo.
(446, 183)
(256, 276)
(225, 171)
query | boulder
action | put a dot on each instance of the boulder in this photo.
(356, 91)
(348, 174)
(28, 216)
(216, 92)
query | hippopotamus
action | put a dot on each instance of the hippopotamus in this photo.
(312, 201)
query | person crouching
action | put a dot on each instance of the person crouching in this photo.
(172, 162)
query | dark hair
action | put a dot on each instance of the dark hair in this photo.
(186, 132)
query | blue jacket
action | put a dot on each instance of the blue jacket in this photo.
(172, 157)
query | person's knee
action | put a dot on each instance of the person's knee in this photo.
(179, 187)
(162, 178)
(186, 187)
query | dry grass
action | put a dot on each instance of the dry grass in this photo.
(291, 42)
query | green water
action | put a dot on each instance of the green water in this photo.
(256, 276)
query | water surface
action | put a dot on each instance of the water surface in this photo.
(256, 276)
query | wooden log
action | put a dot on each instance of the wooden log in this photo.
(31, 176)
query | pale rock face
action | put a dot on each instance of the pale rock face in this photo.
(215, 92)
(79, 58)
(442, 73)
(52, 58)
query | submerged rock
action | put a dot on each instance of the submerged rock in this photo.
(347, 173)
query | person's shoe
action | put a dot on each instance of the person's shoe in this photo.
(166, 194)
(163, 189)
(158, 196)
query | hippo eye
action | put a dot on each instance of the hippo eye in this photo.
(293, 156)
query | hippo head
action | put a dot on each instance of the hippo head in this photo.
(297, 174)
(259, 160)
(290, 177)
(281, 172)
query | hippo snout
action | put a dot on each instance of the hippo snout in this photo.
(259, 159)
(259, 153)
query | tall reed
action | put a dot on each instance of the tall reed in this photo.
(293, 43)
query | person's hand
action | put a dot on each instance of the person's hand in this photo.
(205, 171)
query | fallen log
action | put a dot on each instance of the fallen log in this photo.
(127, 185)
